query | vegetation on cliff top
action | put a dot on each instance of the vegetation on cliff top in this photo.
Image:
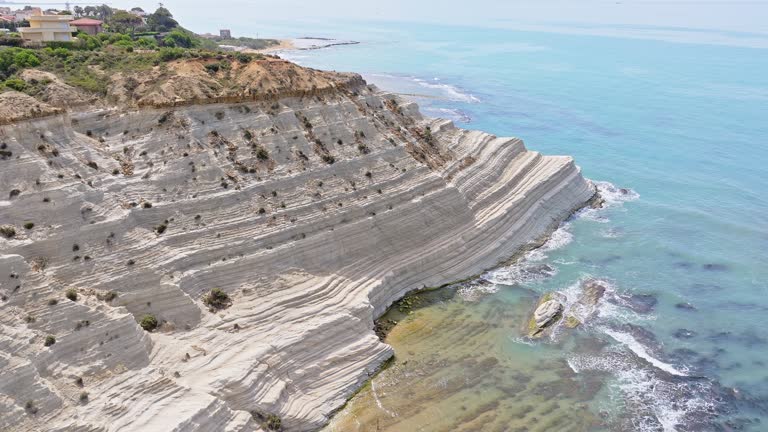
(127, 45)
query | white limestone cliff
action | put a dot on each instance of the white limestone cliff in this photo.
(313, 213)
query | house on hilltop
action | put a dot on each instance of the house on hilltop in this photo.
(45, 28)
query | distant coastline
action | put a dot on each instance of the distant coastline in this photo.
(304, 43)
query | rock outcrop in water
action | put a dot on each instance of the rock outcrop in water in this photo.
(313, 206)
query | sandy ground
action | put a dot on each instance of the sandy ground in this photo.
(285, 44)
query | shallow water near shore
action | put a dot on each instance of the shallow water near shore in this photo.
(679, 342)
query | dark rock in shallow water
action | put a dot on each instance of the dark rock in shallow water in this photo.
(715, 267)
(747, 338)
(740, 424)
(640, 303)
(685, 306)
(538, 271)
(610, 259)
(642, 335)
(683, 264)
(700, 287)
(684, 334)
(694, 361)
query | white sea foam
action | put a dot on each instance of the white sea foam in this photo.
(611, 233)
(449, 91)
(475, 291)
(640, 350)
(653, 402)
(455, 115)
(614, 195)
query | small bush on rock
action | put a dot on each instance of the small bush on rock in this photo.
(148, 322)
(217, 299)
(71, 294)
(268, 421)
(49, 340)
(7, 231)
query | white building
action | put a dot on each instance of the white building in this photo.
(45, 28)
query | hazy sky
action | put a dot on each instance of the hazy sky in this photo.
(730, 15)
(207, 15)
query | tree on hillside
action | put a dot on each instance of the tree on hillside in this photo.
(64, 12)
(125, 22)
(137, 9)
(104, 12)
(78, 11)
(161, 20)
(178, 38)
(89, 11)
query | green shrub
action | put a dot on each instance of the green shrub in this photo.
(49, 340)
(178, 38)
(146, 42)
(124, 44)
(268, 421)
(71, 294)
(29, 225)
(168, 54)
(15, 84)
(243, 58)
(30, 407)
(62, 53)
(262, 153)
(217, 299)
(26, 58)
(11, 41)
(148, 322)
(13, 60)
(7, 231)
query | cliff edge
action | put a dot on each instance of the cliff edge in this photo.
(309, 199)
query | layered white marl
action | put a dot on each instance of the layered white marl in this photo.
(331, 250)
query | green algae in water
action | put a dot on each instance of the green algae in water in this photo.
(460, 366)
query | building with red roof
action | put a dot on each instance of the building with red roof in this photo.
(87, 25)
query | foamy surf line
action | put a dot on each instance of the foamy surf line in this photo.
(640, 350)
(520, 272)
(419, 87)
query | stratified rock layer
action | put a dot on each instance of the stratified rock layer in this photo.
(313, 214)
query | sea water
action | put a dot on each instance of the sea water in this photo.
(683, 127)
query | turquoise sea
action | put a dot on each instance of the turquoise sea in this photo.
(680, 342)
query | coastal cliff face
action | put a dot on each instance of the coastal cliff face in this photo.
(313, 210)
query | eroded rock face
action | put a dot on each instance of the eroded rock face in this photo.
(312, 214)
(546, 313)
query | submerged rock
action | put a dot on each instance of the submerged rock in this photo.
(684, 334)
(685, 306)
(640, 303)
